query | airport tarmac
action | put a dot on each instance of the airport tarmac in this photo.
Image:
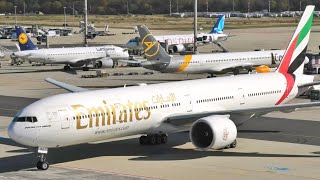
(275, 146)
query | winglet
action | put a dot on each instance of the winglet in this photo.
(219, 26)
(65, 86)
(25, 42)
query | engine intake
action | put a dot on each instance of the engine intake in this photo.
(215, 132)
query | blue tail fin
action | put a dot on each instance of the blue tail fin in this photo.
(25, 42)
(219, 26)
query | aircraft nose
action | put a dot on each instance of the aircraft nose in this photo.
(13, 132)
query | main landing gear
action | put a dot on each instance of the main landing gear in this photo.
(153, 139)
(42, 164)
(66, 67)
(211, 76)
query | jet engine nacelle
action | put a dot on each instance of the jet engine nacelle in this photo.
(179, 48)
(215, 132)
(105, 63)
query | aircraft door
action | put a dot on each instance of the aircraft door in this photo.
(241, 96)
(188, 103)
(64, 118)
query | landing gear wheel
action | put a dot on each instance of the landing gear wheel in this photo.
(159, 140)
(235, 71)
(66, 68)
(152, 139)
(42, 165)
(233, 144)
(143, 140)
(164, 139)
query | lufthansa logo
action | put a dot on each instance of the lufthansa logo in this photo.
(23, 38)
(152, 48)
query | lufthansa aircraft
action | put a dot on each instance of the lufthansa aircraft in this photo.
(179, 43)
(216, 63)
(102, 56)
(210, 108)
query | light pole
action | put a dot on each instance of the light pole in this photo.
(65, 17)
(15, 14)
(170, 6)
(85, 22)
(233, 5)
(195, 26)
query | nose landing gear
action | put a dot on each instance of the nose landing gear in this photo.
(42, 164)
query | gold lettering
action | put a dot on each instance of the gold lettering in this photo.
(79, 115)
(107, 109)
(123, 114)
(145, 106)
(131, 106)
(114, 113)
(96, 112)
(137, 109)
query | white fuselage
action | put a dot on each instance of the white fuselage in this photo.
(75, 118)
(72, 55)
(218, 63)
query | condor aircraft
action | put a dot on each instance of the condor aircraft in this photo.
(210, 108)
(102, 56)
(160, 60)
(181, 43)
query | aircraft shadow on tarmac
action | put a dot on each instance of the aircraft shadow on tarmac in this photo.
(19, 71)
(128, 147)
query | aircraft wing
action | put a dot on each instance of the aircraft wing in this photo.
(65, 86)
(83, 61)
(248, 111)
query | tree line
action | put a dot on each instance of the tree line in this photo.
(110, 7)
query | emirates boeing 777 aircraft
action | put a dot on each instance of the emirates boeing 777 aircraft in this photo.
(210, 108)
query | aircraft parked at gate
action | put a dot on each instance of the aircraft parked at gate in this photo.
(101, 56)
(158, 59)
(210, 108)
(182, 43)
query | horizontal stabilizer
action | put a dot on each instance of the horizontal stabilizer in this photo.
(309, 84)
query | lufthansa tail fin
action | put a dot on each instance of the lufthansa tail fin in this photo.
(294, 57)
(25, 42)
(152, 48)
(219, 26)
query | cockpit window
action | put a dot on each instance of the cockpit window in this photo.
(25, 119)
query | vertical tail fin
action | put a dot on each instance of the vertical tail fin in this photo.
(25, 42)
(219, 26)
(152, 48)
(294, 57)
